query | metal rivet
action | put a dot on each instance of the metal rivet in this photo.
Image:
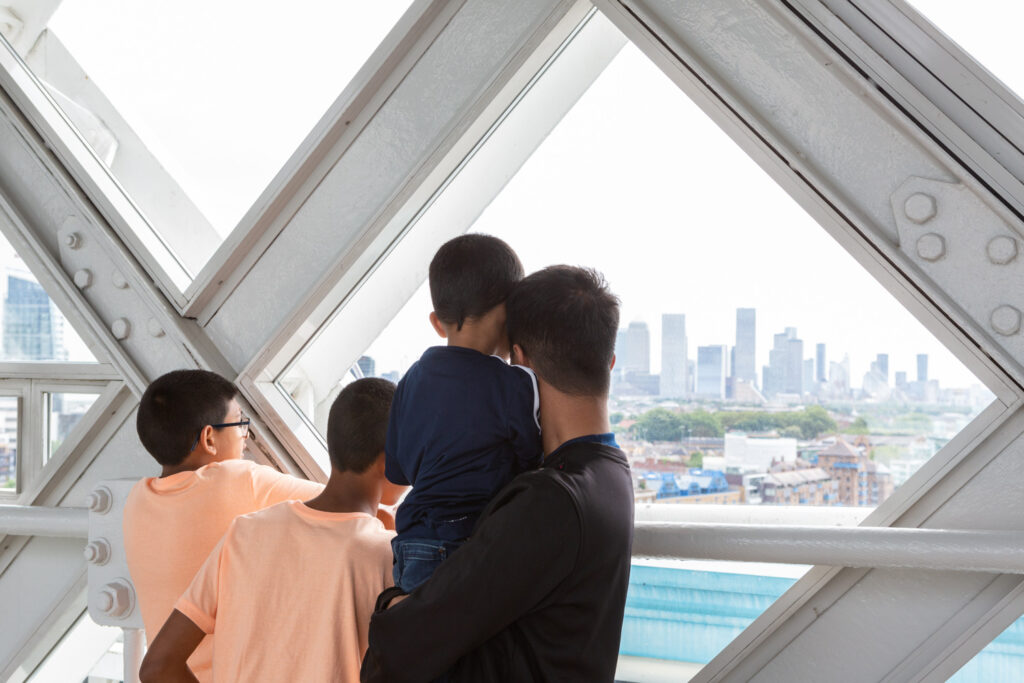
(121, 328)
(154, 328)
(931, 247)
(118, 279)
(1006, 320)
(115, 598)
(83, 278)
(919, 207)
(97, 552)
(99, 500)
(1002, 250)
(73, 240)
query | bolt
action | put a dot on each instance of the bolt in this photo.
(1002, 250)
(83, 278)
(115, 599)
(100, 500)
(118, 279)
(121, 328)
(931, 247)
(97, 552)
(73, 240)
(920, 207)
(1006, 320)
(153, 325)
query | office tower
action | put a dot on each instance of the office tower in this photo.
(368, 366)
(711, 371)
(881, 366)
(674, 366)
(821, 364)
(922, 367)
(785, 370)
(638, 349)
(807, 375)
(33, 328)
(901, 379)
(744, 363)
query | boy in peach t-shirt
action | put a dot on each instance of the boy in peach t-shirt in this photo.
(289, 590)
(191, 423)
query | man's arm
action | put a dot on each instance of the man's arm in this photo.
(167, 657)
(514, 562)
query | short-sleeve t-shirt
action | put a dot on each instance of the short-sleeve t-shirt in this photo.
(288, 594)
(172, 523)
(462, 425)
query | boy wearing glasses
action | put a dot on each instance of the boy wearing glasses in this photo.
(302, 614)
(192, 425)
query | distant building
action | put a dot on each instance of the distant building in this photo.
(638, 349)
(861, 481)
(756, 453)
(674, 381)
(368, 366)
(33, 327)
(808, 376)
(820, 363)
(798, 483)
(784, 373)
(881, 366)
(922, 367)
(744, 361)
(711, 371)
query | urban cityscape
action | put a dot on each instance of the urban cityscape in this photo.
(712, 427)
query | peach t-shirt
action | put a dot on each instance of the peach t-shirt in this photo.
(171, 525)
(289, 592)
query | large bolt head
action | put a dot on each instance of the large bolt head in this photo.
(83, 278)
(120, 328)
(1006, 320)
(118, 280)
(100, 500)
(931, 247)
(1002, 250)
(115, 599)
(920, 207)
(97, 552)
(72, 240)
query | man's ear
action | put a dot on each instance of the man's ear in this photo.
(438, 325)
(519, 357)
(206, 444)
(612, 366)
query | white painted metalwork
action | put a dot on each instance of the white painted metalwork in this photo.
(35, 520)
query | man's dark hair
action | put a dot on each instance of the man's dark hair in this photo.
(357, 424)
(565, 320)
(175, 408)
(470, 275)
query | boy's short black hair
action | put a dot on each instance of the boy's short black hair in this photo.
(470, 275)
(357, 424)
(565, 320)
(175, 408)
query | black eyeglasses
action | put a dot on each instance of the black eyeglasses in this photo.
(244, 422)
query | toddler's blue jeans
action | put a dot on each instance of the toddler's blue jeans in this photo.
(417, 558)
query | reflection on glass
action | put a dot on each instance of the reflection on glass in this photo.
(8, 443)
(195, 106)
(986, 29)
(33, 328)
(1000, 660)
(62, 413)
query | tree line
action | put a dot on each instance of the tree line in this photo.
(661, 424)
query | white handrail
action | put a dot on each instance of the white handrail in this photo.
(938, 549)
(36, 520)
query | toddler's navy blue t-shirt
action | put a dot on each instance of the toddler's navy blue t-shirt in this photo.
(462, 425)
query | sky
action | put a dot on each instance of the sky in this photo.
(635, 181)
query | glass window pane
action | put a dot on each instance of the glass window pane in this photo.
(63, 411)
(9, 443)
(1000, 660)
(195, 106)
(33, 328)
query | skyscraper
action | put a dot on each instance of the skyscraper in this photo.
(881, 366)
(821, 364)
(785, 370)
(638, 348)
(922, 367)
(674, 366)
(33, 328)
(745, 364)
(711, 371)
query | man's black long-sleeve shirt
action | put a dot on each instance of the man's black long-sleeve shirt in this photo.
(537, 593)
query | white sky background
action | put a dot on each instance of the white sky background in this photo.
(635, 181)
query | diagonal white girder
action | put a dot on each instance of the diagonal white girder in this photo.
(852, 137)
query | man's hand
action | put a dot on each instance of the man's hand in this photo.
(167, 658)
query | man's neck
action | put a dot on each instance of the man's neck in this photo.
(347, 492)
(564, 417)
